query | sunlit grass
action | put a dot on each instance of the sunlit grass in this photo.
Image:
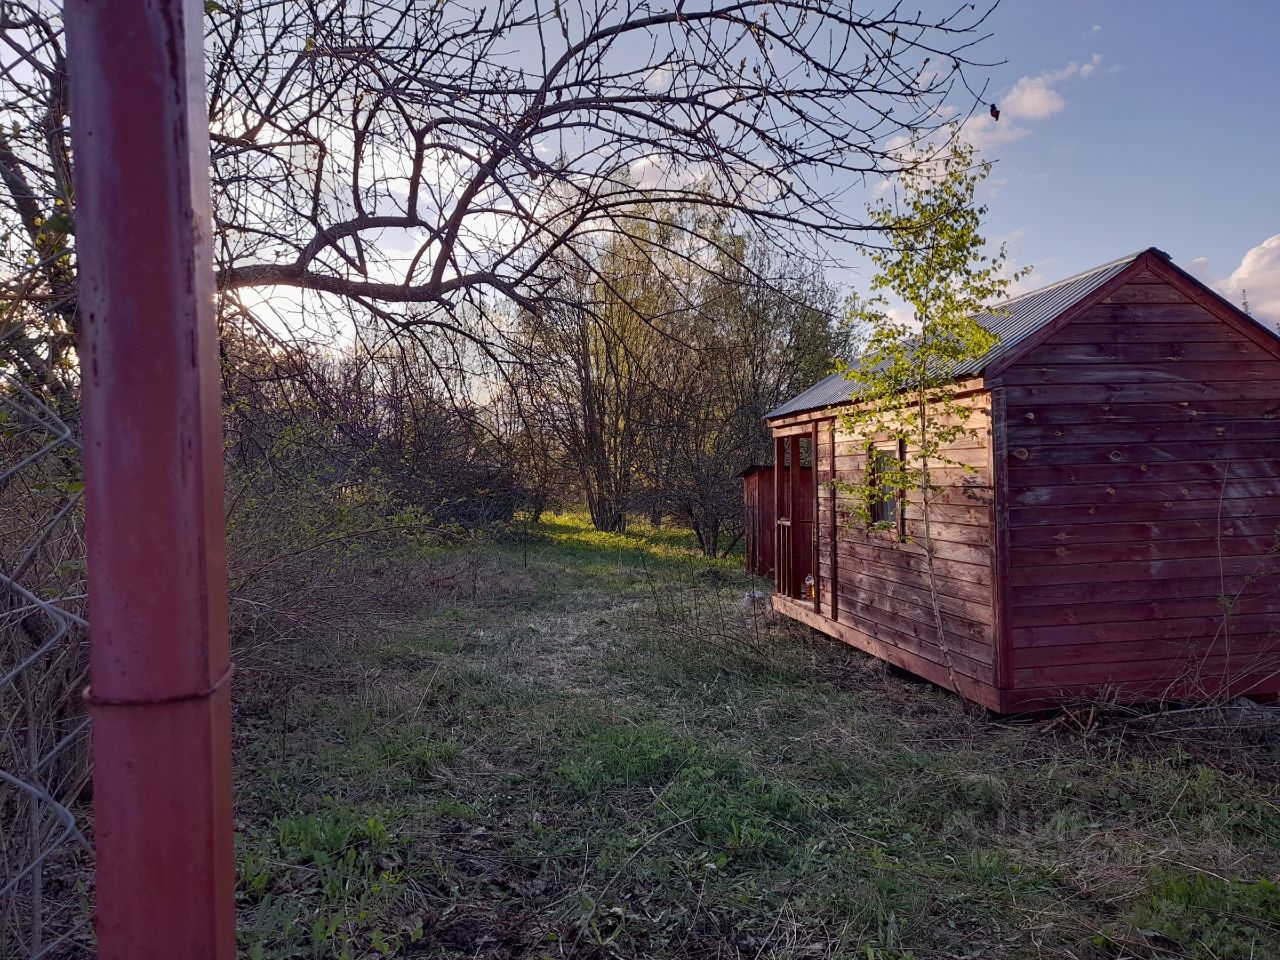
(641, 543)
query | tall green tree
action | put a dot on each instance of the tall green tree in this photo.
(935, 261)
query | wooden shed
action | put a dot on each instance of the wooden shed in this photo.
(758, 526)
(1120, 534)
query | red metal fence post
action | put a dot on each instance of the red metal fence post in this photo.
(153, 481)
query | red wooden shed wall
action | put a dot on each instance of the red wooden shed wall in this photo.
(1142, 443)
(757, 501)
(881, 603)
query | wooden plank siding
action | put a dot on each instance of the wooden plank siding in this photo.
(1124, 481)
(1143, 484)
(758, 525)
(873, 588)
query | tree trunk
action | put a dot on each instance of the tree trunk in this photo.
(710, 541)
(608, 517)
(934, 597)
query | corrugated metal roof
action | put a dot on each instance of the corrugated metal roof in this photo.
(1017, 319)
(830, 390)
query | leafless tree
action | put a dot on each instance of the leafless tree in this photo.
(655, 388)
(592, 371)
(423, 153)
(752, 344)
(410, 156)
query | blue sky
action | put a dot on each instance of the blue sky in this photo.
(1133, 124)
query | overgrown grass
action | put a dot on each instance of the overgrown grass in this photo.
(574, 538)
(599, 747)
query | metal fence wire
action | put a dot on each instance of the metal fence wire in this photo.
(45, 858)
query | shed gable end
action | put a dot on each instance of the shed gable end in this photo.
(1143, 465)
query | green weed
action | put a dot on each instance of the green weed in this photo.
(416, 754)
(624, 756)
(1208, 917)
(323, 885)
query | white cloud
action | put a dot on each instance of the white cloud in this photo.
(1097, 28)
(901, 147)
(1031, 100)
(1258, 276)
(902, 315)
(660, 78)
(986, 134)
(1033, 279)
(1199, 268)
(1073, 69)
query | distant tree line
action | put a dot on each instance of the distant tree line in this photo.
(642, 392)
(652, 388)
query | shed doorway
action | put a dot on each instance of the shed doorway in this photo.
(795, 508)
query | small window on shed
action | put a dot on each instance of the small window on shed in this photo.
(884, 489)
(797, 452)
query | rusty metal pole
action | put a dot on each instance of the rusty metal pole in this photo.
(153, 481)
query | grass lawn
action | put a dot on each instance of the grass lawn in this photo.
(588, 745)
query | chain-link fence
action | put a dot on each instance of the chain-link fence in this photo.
(45, 859)
(45, 862)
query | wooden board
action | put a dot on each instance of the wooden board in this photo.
(971, 657)
(877, 586)
(1208, 672)
(1184, 429)
(961, 622)
(1250, 603)
(898, 563)
(1151, 571)
(1198, 373)
(1141, 491)
(1194, 630)
(1146, 511)
(980, 690)
(1150, 550)
(1103, 410)
(1208, 587)
(1184, 651)
(1143, 466)
(1263, 682)
(1174, 351)
(1166, 471)
(1146, 293)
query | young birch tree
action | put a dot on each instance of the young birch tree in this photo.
(935, 261)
